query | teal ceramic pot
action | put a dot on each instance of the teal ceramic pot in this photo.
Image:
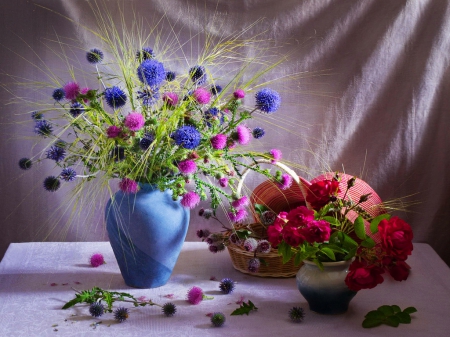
(146, 231)
(325, 290)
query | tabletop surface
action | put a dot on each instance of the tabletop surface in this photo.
(36, 279)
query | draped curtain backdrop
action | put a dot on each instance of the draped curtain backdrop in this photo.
(372, 98)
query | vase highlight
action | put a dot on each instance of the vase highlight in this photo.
(146, 231)
(325, 290)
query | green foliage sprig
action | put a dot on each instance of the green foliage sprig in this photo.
(244, 308)
(390, 315)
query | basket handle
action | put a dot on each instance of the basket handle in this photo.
(303, 184)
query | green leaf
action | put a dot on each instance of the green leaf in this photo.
(359, 228)
(243, 233)
(410, 310)
(285, 251)
(386, 310)
(244, 308)
(332, 220)
(328, 252)
(71, 303)
(259, 208)
(392, 321)
(368, 243)
(371, 323)
(374, 223)
(396, 308)
(375, 314)
(351, 253)
(403, 317)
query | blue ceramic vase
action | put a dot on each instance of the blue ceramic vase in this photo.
(146, 231)
(325, 290)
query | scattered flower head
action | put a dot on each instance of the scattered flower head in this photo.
(296, 314)
(115, 97)
(149, 96)
(268, 218)
(206, 213)
(190, 200)
(96, 309)
(169, 309)
(216, 247)
(121, 314)
(218, 319)
(96, 260)
(134, 121)
(268, 100)
(128, 186)
(195, 295)
(226, 285)
(151, 73)
(94, 56)
(37, 115)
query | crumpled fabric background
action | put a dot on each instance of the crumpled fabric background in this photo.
(373, 98)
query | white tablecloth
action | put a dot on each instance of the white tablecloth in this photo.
(36, 280)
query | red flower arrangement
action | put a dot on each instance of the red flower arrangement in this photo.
(333, 227)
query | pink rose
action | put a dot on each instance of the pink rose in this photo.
(396, 237)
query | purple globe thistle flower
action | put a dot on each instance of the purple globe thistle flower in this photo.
(118, 154)
(195, 295)
(56, 153)
(218, 319)
(121, 314)
(52, 183)
(285, 181)
(202, 96)
(145, 53)
(226, 286)
(68, 174)
(296, 314)
(263, 246)
(238, 216)
(72, 90)
(25, 163)
(267, 100)
(115, 97)
(43, 128)
(169, 309)
(127, 186)
(215, 89)
(213, 238)
(203, 233)
(134, 121)
(213, 114)
(58, 94)
(170, 76)
(253, 265)
(187, 166)
(242, 134)
(113, 131)
(276, 155)
(37, 115)
(258, 133)
(223, 182)
(198, 75)
(250, 244)
(94, 56)
(241, 202)
(187, 137)
(216, 247)
(97, 260)
(170, 98)
(239, 93)
(219, 142)
(146, 141)
(151, 73)
(268, 218)
(190, 200)
(96, 309)
(76, 109)
(149, 97)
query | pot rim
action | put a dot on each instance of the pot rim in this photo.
(330, 264)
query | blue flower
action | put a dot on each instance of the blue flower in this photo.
(118, 154)
(52, 184)
(145, 54)
(146, 141)
(76, 109)
(170, 76)
(213, 113)
(226, 285)
(96, 309)
(198, 75)
(37, 115)
(56, 153)
(148, 96)
(94, 56)
(152, 73)
(187, 137)
(115, 97)
(58, 94)
(267, 100)
(25, 163)
(68, 174)
(121, 314)
(43, 128)
(258, 132)
(215, 89)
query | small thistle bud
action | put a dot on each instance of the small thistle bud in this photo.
(213, 238)
(218, 319)
(253, 265)
(216, 247)
(234, 238)
(203, 233)
(250, 244)
(268, 218)
(263, 247)
(351, 182)
(96, 309)
(121, 314)
(25, 163)
(169, 309)
(296, 314)
(226, 285)
(333, 198)
(364, 197)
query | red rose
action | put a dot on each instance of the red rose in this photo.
(300, 216)
(317, 231)
(319, 193)
(274, 230)
(292, 236)
(362, 276)
(396, 237)
(399, 270)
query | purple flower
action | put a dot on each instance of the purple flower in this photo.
(239, 93)
(94, 56)
(253, 265)
(113, 131)
(242, 134)
(187, 136)
(238, 216)
(127, 185)
(148, 96)
(72, 90)
(115, 97)
(68, 174)
(43, 128)
(241, 202)
(134, 121)
(170, 76)
(195, 295)
(223, 182)
(219, 141)
(58, 94)
(96, 260)
(76, 109)
(145, 53)
(258, 133)
(216, 247)
(52, 184)
(151, 73)
(171, 98)
(25, 163)
(121, 314)
(146, 141)
(286, 181)
(276, 154)
(202, 96)
(56, 153)
(215, 89)
(263, 246)
(198, 75)
(250, 244)
(187, 166)
(226, 286)
(190, 200)
(267, 100)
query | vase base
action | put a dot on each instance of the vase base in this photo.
(328, 303)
